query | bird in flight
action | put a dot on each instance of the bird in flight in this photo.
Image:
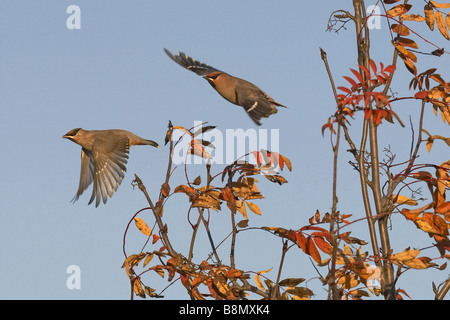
(104, 154)
(256, 102)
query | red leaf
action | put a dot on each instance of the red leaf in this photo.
(323, 245)
(352, 82)
(366, 71)
(229, 198)
(325, 235)
(390, 68)
(309, 227)
(421, 94)
(358, 75)
(155, 238)
(373, 66)
(312, 250)
(257, 156)
(301, 241)
(346, 90)
(328, 125)
(279, 159)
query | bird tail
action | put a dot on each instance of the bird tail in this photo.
(277, 104)
(150, 143)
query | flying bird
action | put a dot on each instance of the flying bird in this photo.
(256, 102)
(104, 154)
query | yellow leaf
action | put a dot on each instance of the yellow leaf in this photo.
(347, 250)
(358, 293)
(441, 174)
(409, 65)
(265, 271)
(408, 54)
(416, 264)
(348, 281)
(142, 226)
(425, 226)
(413, 17)
(287, 162)
(404, 200)
(343, 258)
(440, 5)
(253, 207)
(440, 22)
(246, 189)
(159, 271)
(137, 288)
(240, 205)
(259, 283)
(429, 16)
(148, 259)
(398, 10)
(276, 178)
(407, 254)
(447, 20)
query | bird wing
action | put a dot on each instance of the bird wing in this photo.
(109, 160)
(86, 174)
(255, 101)
(189, 63)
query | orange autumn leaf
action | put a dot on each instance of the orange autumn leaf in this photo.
(401, 29)
(398, 10)
(142, 226)
(443, 208)
(165, 189)
(312, 250)
(429, 16)
(323, 245)
(406, 42)
(301, 241)
(253, 207)
(229, 198)
(440, 22)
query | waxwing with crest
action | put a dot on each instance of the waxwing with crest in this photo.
(238, 91)
(104, 154)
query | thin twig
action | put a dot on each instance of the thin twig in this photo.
(285, 248)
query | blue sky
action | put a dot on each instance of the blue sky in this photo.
(113, 73)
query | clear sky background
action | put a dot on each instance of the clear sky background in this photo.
(113, 73)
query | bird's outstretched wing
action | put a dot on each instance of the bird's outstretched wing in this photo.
(189, 63)
(86, 173)
(109, 168)
(256, 102)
